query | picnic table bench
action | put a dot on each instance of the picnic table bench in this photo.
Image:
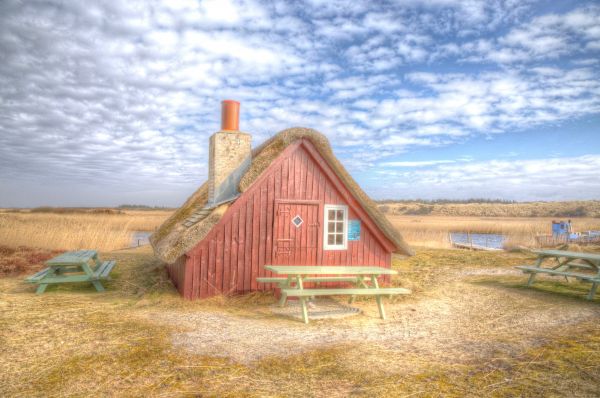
(586, 269)
(75, 266)
(364, 279)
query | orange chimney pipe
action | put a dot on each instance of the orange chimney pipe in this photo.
(230, 115)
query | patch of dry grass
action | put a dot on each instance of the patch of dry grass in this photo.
(433, 231)
(74, 342)
(563, 367)
(146, 220)
(94, 348)
(430, 268)
(21, 260)
(73, 231)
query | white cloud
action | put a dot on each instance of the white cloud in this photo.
(494, 101)
(545, 37)
(535, 179)
(127, 93)
(421, 163)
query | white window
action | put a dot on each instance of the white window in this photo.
(336, 227)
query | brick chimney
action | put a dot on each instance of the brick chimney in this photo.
(229, 156)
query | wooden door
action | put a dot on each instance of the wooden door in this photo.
(296, 233)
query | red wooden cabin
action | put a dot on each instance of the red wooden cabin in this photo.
(288, 202)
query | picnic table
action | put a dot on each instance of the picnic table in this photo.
(364, 279)
(581, 266)
(75, 266)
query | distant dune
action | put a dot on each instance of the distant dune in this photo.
(587, 208)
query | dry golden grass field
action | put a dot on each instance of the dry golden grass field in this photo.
(470, 327)
(68, 231)
(433, 231)
(72, 231)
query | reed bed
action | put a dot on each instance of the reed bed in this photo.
(146, 220)
(76, 231)
(433, 231)
(71, 231)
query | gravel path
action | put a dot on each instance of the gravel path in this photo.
(462, 322)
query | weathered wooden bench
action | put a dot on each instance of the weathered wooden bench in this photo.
(528, 269)
(565, 261)
(102, 270)
(38, 276)
(72, 267)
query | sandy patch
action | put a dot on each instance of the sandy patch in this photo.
(461, 323)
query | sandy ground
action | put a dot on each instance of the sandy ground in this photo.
(461, 322)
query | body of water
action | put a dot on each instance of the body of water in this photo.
(494, 241)
(140, 238)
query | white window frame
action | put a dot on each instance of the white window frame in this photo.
(344, 245)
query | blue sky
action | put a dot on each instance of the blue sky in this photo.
(107, 103)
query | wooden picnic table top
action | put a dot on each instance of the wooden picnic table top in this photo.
(568, 254)
(564, 265)
(329, 270)
(72, 267)
(72, 258)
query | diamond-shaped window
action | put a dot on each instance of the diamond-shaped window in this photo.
(297, 221)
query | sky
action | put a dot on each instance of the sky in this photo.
(105, 103)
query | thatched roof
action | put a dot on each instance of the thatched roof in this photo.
(192, 222)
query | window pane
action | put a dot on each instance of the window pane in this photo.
(330, 227)
(340, 215)
(340, 227)
(330, 239)
(339, 239)
(331, 214)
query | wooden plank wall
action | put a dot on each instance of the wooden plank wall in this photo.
(232, 255)
(176, 273)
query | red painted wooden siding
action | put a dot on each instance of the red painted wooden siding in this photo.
(252, 232)
(176, 273)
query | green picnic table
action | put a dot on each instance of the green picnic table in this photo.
(581, 266)
(75, 266)
(364, 279)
